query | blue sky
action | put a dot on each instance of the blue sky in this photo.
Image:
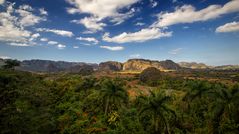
(100, 30)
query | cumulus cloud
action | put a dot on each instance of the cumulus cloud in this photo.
(189, 14)
(228, 27)
(139, 36)
(89, 39)
(99, 10)
(56, 31)
(27, 18)
(175, 51)
(113, 48)
(14, 22)
(91, 23)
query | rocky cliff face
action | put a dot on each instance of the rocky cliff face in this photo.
(141, 64)
(110, 66)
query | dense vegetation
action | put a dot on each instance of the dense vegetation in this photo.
(71, 103)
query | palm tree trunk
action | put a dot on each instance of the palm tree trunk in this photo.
(107, 105)
(156, 124)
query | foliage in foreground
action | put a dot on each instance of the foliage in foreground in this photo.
(63, 103)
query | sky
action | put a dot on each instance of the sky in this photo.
(94, 31)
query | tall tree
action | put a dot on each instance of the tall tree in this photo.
(156, 107)
(113, 95)
(225, 107)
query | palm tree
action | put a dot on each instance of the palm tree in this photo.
(197, 90)
(225, 106)
(156, 107)
(113, 95)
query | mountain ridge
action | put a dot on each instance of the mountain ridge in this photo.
(37, 65)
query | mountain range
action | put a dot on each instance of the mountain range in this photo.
(130, 65)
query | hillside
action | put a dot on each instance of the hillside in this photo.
(141, 64)
(193, 65)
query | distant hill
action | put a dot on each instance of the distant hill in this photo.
(130, 65)
(194, 65)
(110, 66)
(141, 64)
(227, 67)
(54, 66)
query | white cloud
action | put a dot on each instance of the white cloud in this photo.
(14, 22)
(10, 31)
(75, 47)
(43, 11)
(19, 44)
(91, 23)
(5, 57)
(99, 10)
(26, 7)
(27, 18)
(188, 14)
(140, 36)
(135, 56)
(61, 46)
(52, 42)
(153, 3)
(175, 51)
(89, 39)
(113, 48)
(36, 35)
(139, 24)
(56, 31)
(43, 39)
(72, 10)
(228, 27)
(2, 1)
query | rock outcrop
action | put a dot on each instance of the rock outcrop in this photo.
(141, 64)
(110, 66)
